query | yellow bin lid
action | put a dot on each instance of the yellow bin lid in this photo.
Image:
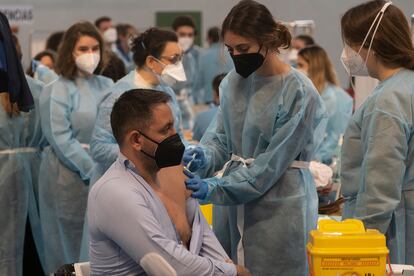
(347, 236)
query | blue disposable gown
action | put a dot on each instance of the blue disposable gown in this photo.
(377, 164)
(68, 111)
(185, 90)
(274, 120)
(13, 195)
(34, 140)
(127, 58)
(338, 106)
(45, 75)
(213, 61)
(104, 147)
(202, 121)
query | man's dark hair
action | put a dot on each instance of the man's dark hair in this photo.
(133, 110)
(216, 82)
(213, 34)
(101, 20)
(183, 20)
(308, 40)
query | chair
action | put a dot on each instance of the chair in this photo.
(82, 269)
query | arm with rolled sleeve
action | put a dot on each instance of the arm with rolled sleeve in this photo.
(383, 168)
(55, 112)
(132, 226)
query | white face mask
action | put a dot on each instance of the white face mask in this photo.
(293, 55)
(88, 62)
(185, 42)
(110, 35)
(173, 73)
(352, 61)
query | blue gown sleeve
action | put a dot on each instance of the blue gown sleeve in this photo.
(55, 112)
(385, 148)
(104, 148)
(293, 130)
(339, 115)
(177, 114)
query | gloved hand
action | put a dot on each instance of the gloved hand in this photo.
(197, 185)
(194, 158)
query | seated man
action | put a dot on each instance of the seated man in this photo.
(129, 213)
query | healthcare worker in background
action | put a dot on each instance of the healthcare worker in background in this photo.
(13, 191)
(314, 62)
(42, 67)
(299, 42)
(109, 34)
(33, 141)
(14, 180)
(268, 126)
(203, 119)
(378, 150)
(158, 60)
(68, 109)
(213, 61)
(125, 33)
(185, 29)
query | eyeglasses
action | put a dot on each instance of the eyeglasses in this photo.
(173, 59)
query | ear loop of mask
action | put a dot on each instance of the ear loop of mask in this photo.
(380, 15)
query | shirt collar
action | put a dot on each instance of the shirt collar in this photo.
(128, 165)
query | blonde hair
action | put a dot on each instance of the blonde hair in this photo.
(320, 69)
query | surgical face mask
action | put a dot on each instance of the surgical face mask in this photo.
(293, 55)
(88, 62)
(110, 35)
(351, 60)
(246, 64)
(169, 152)
(172, 73)
(186, 42)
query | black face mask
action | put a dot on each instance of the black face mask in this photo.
(169, 152)
(246, 64)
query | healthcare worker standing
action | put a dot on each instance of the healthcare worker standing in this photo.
(185, 29)
(268, 126)
(14, 195)
(315, 63)
(377, 154)
(158, 60)
(68, 108)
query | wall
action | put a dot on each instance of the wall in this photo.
(53, 15)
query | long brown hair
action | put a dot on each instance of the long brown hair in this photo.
(253, 20)
(392, 43)
(320, 69)
(65, 64)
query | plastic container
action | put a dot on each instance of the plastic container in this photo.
(207, 211)
(345, 248)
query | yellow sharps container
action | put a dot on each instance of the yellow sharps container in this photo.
(207, 211)
(346, 249)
